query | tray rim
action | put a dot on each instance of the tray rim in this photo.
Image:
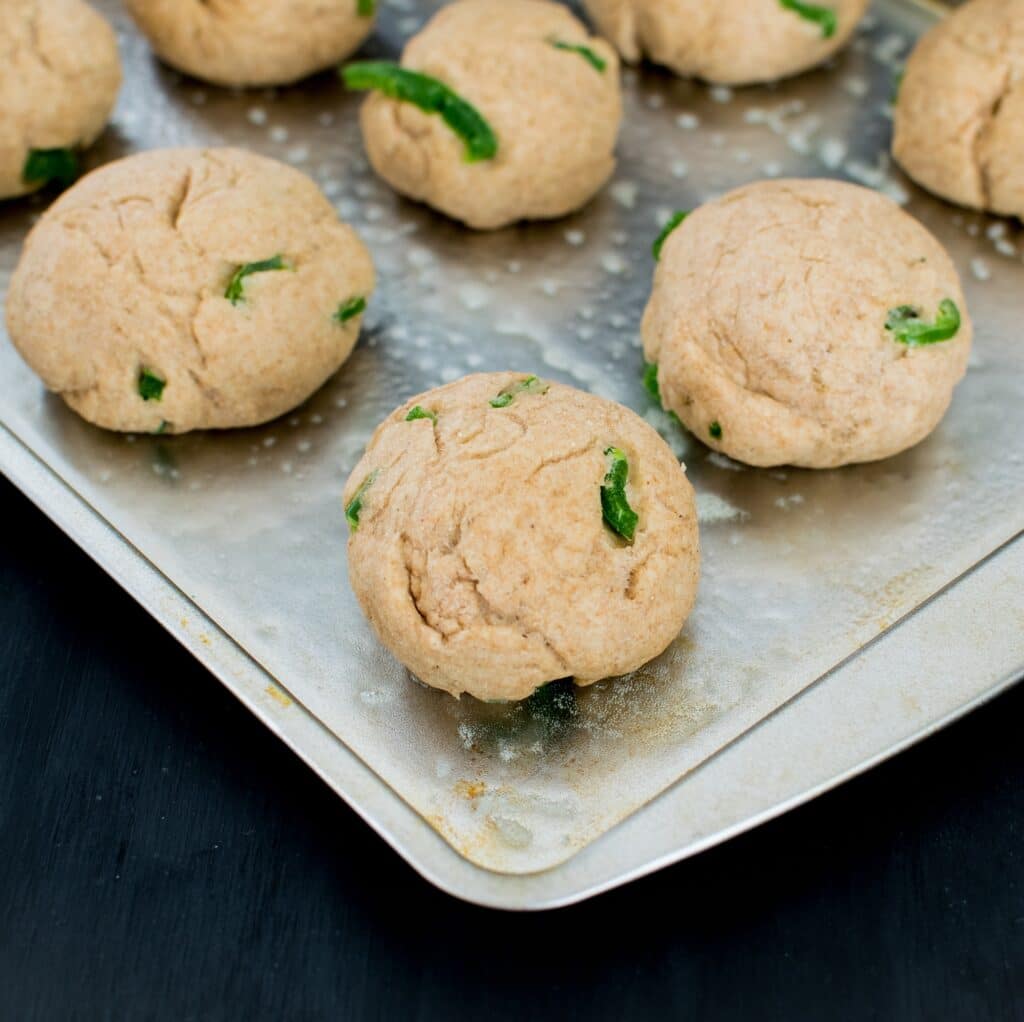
(397, 823)
(374, 801)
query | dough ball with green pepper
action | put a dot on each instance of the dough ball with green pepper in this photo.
(959, 118)
(731, 42)
(810, 323)
(506, 531)
(188, 289)
(241, 42)
(60, 74)
(501, 110)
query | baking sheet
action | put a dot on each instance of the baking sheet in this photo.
(801, 569)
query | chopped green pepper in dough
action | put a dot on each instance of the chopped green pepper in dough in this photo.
(909, 328)
(235, 292)
(431, 96)
(618, 515)
(531, 385)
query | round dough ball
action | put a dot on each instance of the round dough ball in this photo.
(555, 115)
(252, 42)
(731, 42)
(59, 78)
(768, 324)
(959, 119)
(119, 300)
(481, 556)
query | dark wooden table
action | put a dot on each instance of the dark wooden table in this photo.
(164, 857)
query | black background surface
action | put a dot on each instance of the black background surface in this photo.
(162, 856)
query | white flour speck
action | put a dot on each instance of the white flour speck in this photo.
(712, 509)
(624, 193)
(980, 269)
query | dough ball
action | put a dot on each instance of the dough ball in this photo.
(800, 322)
(479, 552)
(959, 120)
(732, 42)
(59, 78)
(253, 42)
(120, 301)
(555, 114)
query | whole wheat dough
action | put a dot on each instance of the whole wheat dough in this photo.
(556, 116)
(59, 78)
(731, 42)
(252, 42)
(768, 325)
(122, 286)
(959, 119)
(480, 554)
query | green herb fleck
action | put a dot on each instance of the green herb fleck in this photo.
(619, 516)
(651, 384)
(715, 430)
(355, 505)
(235, 292)
(44, 166)
(151, 386)
(596, 62)
(162, 428)
(822, 16)
(531, 385)
(897, 85)
(366, 8)
(674, 221)
(419, 412)
(909, 328)
(431, 96)
(350, 309)
(653, 388)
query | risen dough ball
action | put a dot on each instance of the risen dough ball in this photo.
(959, 122)
(733, 42)
(121, 287)
(555, 115)
(481, 557)
(59, 78)
(768, 325)
(251, 42)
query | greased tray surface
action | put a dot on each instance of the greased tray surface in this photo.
(801, 569)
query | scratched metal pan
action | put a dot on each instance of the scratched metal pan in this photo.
(236, 542)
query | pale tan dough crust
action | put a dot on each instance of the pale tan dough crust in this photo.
(730, 42)
(481, 557)
(60, 74)
(251, 42)
(768, 318)
(128, 271)
(959, 119)
(556, 117)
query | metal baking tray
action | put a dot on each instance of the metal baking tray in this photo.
(842, 614)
